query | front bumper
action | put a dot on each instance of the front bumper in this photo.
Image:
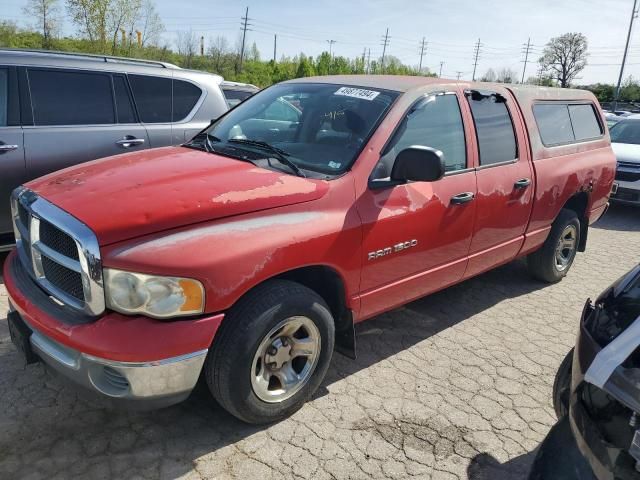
(607, 454)
(136, 362)
(627, 193)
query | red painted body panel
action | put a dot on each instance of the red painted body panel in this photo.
(232, 226)
(119, 337)
(170, 187)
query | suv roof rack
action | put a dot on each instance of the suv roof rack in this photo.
(93, 56)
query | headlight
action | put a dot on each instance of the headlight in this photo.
(151, 295)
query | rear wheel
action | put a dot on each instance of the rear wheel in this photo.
(551, 262)
(271, 353)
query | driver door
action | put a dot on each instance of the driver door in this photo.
(416, 236)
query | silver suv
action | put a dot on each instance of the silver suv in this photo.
(60, 109)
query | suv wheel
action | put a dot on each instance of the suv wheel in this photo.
(271, 353)
(551, 262)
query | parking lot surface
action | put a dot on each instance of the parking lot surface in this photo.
(455, 385)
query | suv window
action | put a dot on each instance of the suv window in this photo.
(494, 128)
(434, 122)
(71, 98)
(584, 121)
(185, 97)
(4, 96)
(153, 98)
(124, 106)
(234, 97)
(553, 123)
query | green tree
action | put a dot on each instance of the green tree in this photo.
(564, 57)
(305, 67)
(46, 17)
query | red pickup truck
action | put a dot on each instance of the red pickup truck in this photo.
(248, 254)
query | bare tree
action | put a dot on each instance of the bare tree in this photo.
(150, 24)
(122, 13)
(506, 75)
(45, 13)
(217, 50)
(564, 57)
(187, 44)
(489, 76)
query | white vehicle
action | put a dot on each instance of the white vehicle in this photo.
(625, 141)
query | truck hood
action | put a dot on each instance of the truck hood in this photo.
(135, 194)
(626, 152)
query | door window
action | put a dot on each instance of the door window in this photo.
(434, 122)
(494, 128)
(124, 105)
(4, 96)
(60, 97)
(185, 97)
(153, 98)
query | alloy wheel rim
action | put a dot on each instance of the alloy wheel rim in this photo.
(285, 359)
(566, 247)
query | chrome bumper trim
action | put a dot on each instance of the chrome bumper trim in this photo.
(136, 381)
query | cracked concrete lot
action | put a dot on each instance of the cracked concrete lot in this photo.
(456, 385)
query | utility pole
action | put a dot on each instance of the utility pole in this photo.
(423, 48)
(458, 75)
(364, 55)
(476, 54)
(385, 42)
(540, 72)
(244, 24)
(275, 43)
(331, 42)
(202, 46)
(634, 14)
(526, 57)
(368, 61)
(440, 74)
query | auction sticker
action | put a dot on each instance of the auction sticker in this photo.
(357, 93)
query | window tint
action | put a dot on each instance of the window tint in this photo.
(553, 123)
(4, 96)
(584, 122)
(234, 97)
(185, 97)
(71, 98)
(496, 138)
(435, 122)
(626, 131)
(123, 101)
(153, 98)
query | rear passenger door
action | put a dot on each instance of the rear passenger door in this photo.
(78, 116)
(504, 177)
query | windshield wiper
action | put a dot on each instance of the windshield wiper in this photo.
(206, 141)
(279, 154)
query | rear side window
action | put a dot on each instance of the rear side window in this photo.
(185, 97)
(554, 123)
(153, 98)
(124, 106)
(4, 96)
(561, 123)
(496, 137)
(71, 98)
(584, 121)
(234, 97)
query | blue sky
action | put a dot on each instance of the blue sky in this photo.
(451, 28)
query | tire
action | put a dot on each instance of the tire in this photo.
(545, 264)
(562, 386)
(245, 378)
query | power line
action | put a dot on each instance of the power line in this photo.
(634, 14)
(476, 53)
(385, 42)
(526, 57)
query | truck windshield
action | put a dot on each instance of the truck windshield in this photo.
(626, 131)
(319, 128)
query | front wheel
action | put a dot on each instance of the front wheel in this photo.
(271, 353)
(551, 262)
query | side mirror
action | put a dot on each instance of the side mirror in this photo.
(419, 164)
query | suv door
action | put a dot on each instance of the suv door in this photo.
(153, 97)
(12, 166)
(505, 180)
(78, 116)
(416, 236)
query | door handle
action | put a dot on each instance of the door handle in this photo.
(130, 141)
(522, 183)
(462, 198)
(4, 148)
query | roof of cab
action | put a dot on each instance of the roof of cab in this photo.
(400, 83)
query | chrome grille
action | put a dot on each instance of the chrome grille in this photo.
(59, 252)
